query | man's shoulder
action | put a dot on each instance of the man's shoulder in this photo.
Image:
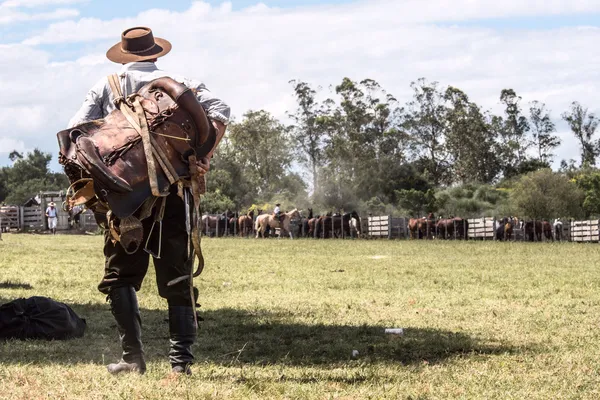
(100, 86)
(189, 82)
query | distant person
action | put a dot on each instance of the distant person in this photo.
(277, 211)
(52, 215)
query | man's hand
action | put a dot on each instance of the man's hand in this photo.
(203, 165)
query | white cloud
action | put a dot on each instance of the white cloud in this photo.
(7, 145)
(10, 17)
(37, 3)
(248, 56)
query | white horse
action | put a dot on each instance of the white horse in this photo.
(558, 229)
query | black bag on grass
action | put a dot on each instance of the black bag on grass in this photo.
(39, 318)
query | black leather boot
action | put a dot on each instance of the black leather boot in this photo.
(124, 306)
(182, 328)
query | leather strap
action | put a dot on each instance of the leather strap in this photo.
(145, 134)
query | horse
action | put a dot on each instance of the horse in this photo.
(533, 230)
(558, 229)
(337, 225)
(355, 225)
(422, 227)
(547, 231)
(305, 226)
(232, 223)
(323, 221)
(215, 224)
(312, 226)
(270, 221)
(505, 228)
(245, 223)
(449, 228)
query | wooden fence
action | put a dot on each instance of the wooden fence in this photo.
(585, 231)
(9, 218)
(34, 218)
(379, 226)
(481, 228)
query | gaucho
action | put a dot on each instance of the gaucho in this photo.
(136, 154)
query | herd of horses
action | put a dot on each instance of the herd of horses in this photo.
(295, 225)
(532, 230)
(442, 228)
(292, 224)
(457, 228)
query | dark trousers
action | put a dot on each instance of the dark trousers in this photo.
(122, 269)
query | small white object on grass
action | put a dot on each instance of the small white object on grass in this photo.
(354, 353)
(395, 331)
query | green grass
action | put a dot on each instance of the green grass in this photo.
(482, 320)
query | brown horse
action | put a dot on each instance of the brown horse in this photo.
(533, 230)
(422, 227)
(547, 230)
(312, 225)
(245, 223)
(338, 225)
(305, 226)
(270, 221)
(452, 228)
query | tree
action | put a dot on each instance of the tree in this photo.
(542, 128)
(469, 140)
(512, 129)
(589, 182)
(364, 144)
(28, 176)
(308, 130)
(261, 148)
(583, 126)
(545, 194)
(417, 203)
(425, 121)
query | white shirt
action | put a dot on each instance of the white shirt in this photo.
(51, 211)
(133, 76)
(276, 210)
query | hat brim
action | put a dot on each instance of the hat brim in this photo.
(117, 55)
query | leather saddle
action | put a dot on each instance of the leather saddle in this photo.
(125, 166)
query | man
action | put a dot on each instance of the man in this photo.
(277, 211)
(124, 273)
(52, 215)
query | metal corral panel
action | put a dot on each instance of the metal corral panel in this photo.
(481, 228)
(585, 231)
(379, 226)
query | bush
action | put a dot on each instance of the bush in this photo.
(545, 194)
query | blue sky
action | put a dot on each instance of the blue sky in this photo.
(481, 46)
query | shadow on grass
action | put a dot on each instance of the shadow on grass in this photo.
(230, 337)
(15, 285)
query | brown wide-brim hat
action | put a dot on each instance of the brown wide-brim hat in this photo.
(138, 44)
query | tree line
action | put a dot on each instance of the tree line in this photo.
(355, 147)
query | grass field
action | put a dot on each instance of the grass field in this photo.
(481, 320)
